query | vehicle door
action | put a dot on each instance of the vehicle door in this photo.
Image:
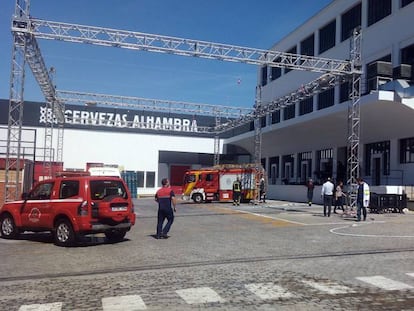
(36, 210)
(211, 182)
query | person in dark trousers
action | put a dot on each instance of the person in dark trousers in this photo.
(339, 196)
(310, 186)
(166, 207)
(262, 188)
(236, 191)
(327, 194)
(362, 199)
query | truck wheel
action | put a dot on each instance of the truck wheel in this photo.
(197, 198)
(8, 227)
(63, 233)
(115, 235)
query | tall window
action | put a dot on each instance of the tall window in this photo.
(407, 150)
(379, 148)
(407, 55)
(275, 72)
(344, 92)
(150, 182)
(307, 46)
(264, 75)
(140, 178)
(291, 51)
(273, 172)
(327, 37)
(377, 10)
(306, 106)
(276, 116)
(350, 20)
(289, 112)
(326, 99)
(406, 2)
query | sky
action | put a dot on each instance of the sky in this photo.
(108, 70)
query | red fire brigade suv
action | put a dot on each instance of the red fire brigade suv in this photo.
(69, 207)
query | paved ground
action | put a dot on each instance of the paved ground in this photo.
(273, 256)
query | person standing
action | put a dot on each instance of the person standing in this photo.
(327, 195)
(362, 199)
(166, 207)
(310, 186)
(339, 203)
(262, 188)
(236, 191)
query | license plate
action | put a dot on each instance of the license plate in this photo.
(119, 208)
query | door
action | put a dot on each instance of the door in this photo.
(304, 171)
(377, 171)
(37, 208)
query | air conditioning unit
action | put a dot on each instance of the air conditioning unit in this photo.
(403, 71)
(379, 68)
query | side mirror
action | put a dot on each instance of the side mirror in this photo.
(25, 196)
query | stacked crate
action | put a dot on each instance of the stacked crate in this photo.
(130, 178)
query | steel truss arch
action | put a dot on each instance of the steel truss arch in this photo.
(51, 30)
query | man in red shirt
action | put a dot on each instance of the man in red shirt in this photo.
(166, 207)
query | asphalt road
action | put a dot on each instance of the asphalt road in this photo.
(272, 256)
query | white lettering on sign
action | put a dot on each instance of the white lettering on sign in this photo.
(118, 120)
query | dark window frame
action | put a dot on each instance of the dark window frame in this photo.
(350, 20)
(327, 36)
(378, 10)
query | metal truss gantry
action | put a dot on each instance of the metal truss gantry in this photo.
(25, 50)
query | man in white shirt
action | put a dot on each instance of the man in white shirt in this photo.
(327, 195)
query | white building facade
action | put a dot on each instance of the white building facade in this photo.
(309, 139)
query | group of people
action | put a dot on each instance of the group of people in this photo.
(334, 195)
(167, 202)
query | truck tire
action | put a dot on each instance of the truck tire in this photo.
(115, 235)
(197, 198)
(8, 227)
(63, 233)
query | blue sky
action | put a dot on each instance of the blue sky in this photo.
(79, 67)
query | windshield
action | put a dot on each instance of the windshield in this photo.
(190, 178)
(101, 189)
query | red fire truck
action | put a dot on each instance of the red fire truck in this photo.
(216, 183)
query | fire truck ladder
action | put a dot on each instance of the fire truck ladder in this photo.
(25, 49)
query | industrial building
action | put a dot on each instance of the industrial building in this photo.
(305, 139)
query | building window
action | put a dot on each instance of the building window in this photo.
(263, 121)
(377, 10)
(273, 172)
(407, 55)
(264, 75)
(289, 112)
(288, 162)
(307, 46)
(350, 20)
(407, 150)
(380, 149)
(275, 72)
(344, 92)
(140, 179)
(276, 116)
(150, 180)
(304, 165)
(291, 51)
(405, 2)
(327, 37)
(326, 99)
(324, 164)
(306, 106)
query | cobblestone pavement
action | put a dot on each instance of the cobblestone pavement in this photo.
(218, 287)
(273, 256)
